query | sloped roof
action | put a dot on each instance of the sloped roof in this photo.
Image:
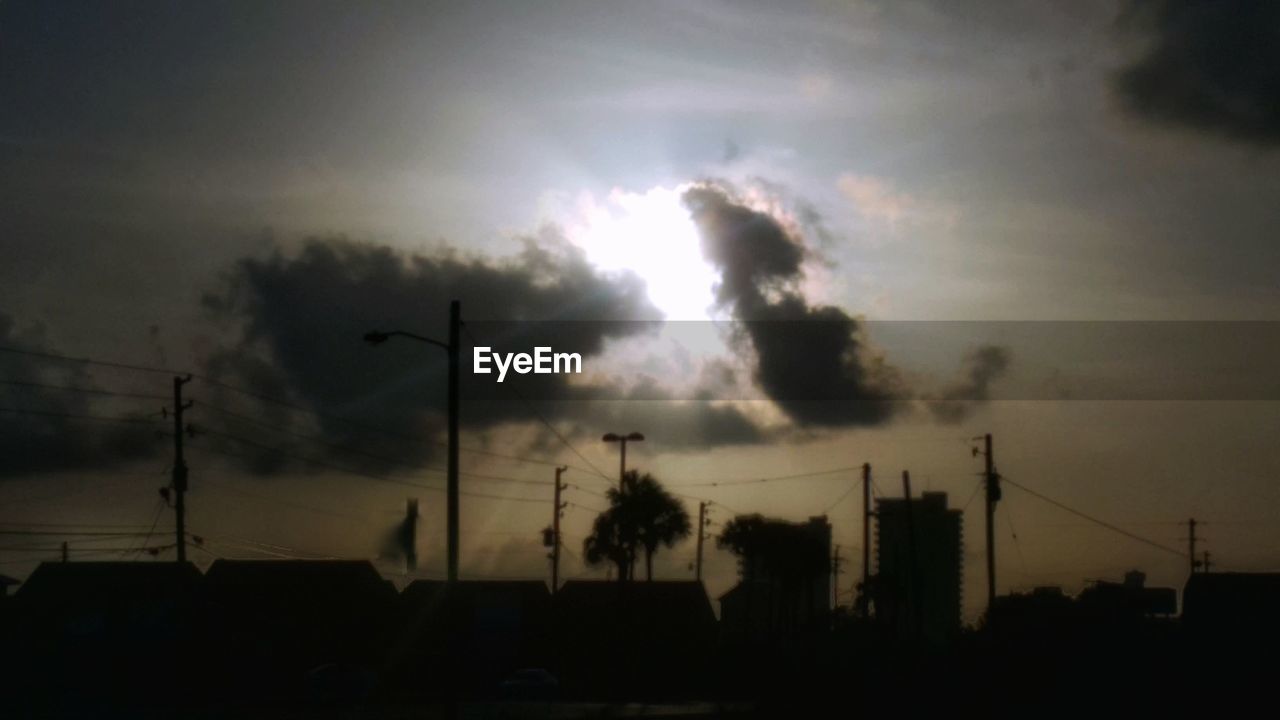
(108, 581)
(310, 573)
(298, 581)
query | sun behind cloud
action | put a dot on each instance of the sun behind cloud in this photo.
(651, 234)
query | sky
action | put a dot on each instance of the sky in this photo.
(239, 190)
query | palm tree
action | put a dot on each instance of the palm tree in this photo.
(642, 517)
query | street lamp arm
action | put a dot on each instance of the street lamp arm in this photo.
(377, 338)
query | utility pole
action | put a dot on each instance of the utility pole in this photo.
(65, 552)
(451, 480)
(992, 479)
(864, 598)
(1191, 543)
(453, 348)
(702, 524)
(1207, 564)
(835, 578)
(180, 467)
(555, 532)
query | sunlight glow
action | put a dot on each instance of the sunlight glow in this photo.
(652, 235)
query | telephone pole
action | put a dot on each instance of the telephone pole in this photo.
(1191, 543)
(555, 532)
(992, 479)
(835, 578)
(1207, 564)
(864, 599)
(451, 479)
(702, 524)
(180, 467)
(453, 349)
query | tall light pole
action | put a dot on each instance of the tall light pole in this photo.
(451, 481)
(622, 463)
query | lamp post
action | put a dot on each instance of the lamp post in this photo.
(451, 483)
(622, 464)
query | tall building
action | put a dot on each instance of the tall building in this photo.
(919, 566)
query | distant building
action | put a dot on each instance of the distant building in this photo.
(785, 586)
(1131, 598)
(1232, 607)
(92, 625)
(919, 566)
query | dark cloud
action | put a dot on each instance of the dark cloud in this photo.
(814, 361)
(56, 418)
(982, 367)
(299, 319)
(1210, 65)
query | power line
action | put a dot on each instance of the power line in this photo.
(78, 416)
(353, 472)
(255, 395)
(466, 329)
(840, 499)
(88, 361)
(797, 476)
(84, 390)
(389, 461)
(1092, 519)
(288, 503)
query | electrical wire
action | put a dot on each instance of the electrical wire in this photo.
(1095, 520)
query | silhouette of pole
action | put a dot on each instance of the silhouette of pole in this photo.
(993, 496)
(1206, 564)
(911, 550)
(451, 483)
(65, 552)
(1191, 543)
(622, 461)
(179, 468)
(702, 523)
(835, 578)
(453, 349)
(864, 599)
(555, 533)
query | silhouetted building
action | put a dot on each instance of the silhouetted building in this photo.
(1131, 598)
(470, 635)
(785, 588)
(636, 639)
(919, 566)
(287, 618)
(108, 629)
(1232, 607)
(7, 582)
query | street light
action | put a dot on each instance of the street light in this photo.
(623, 439)
(451, 483)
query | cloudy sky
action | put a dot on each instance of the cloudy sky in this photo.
(239, 190)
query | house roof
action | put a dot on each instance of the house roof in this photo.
(296, 581)
(107, 581)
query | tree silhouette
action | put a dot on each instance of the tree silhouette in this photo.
(642, 517)
(774, 548)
